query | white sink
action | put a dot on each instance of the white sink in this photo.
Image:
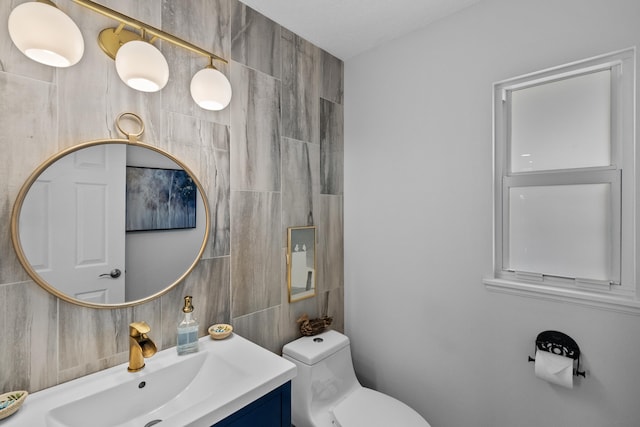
(199, 389)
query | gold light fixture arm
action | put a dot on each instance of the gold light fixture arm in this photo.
(154, 32)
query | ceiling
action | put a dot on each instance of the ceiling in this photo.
(346, 28)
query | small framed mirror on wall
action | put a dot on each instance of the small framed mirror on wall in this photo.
(301, 262)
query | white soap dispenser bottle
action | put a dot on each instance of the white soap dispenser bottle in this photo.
(187, 330)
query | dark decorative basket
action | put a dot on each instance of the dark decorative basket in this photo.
(310, 327)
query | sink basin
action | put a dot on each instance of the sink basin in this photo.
(199, 389)
(136, 402)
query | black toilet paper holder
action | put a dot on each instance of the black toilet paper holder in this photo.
(561, 344)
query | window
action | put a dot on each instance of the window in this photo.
(565, 183)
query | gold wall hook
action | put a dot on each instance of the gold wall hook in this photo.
(131, 136)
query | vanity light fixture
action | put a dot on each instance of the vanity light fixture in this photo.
(142, 66)
(45, 34)
(210, 88)
(139, 64)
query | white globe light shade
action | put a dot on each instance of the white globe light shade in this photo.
(46, 34)
(211, 89)
(142, 66)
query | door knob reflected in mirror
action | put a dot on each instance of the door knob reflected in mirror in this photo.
(114, 274)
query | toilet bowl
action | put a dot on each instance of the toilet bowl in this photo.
(326, 392)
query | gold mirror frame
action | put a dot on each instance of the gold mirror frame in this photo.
(132, 140)
(298, 269)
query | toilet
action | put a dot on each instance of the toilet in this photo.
(326, 392)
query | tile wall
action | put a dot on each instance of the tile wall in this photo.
(272, 159)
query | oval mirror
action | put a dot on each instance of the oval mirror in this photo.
(110, 223)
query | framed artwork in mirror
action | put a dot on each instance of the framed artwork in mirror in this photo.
(159, 199)
(301, 262)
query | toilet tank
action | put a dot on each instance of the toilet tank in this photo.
(325, 376)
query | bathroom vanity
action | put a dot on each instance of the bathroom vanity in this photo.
(231, 383)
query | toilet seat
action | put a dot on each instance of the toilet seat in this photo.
(366, 407)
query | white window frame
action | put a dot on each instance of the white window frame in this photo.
(621, 293)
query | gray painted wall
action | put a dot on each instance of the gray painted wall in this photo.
(418, 225)
(272, 159)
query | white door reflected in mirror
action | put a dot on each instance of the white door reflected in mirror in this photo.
(72, 224)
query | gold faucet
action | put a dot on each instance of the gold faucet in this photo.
(140, 345)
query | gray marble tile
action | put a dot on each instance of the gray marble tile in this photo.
(300, 88)
(331, 147)
(219, 200)
(291, 312)
(27, 337)
(300, 183)
(204, 23)
(27, 140)
(255, 40)
(10, 269)
(216, 292)
(255, 130)
(94, 97)
(330, 247)
(332, 80)
(194, 142)
(186, 137)
(331, 303)
(208, 284)
(145, 11)
(87, 335)
(92, 366)
(262, 328)
(256, 251)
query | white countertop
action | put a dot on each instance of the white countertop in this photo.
(248, 372)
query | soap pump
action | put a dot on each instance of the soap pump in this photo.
(187, 330)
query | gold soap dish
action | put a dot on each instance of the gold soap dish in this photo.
(11, 402)
(220, 331)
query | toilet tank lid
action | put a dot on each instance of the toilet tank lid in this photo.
(311, 350)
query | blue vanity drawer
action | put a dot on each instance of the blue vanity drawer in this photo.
(271, 410)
